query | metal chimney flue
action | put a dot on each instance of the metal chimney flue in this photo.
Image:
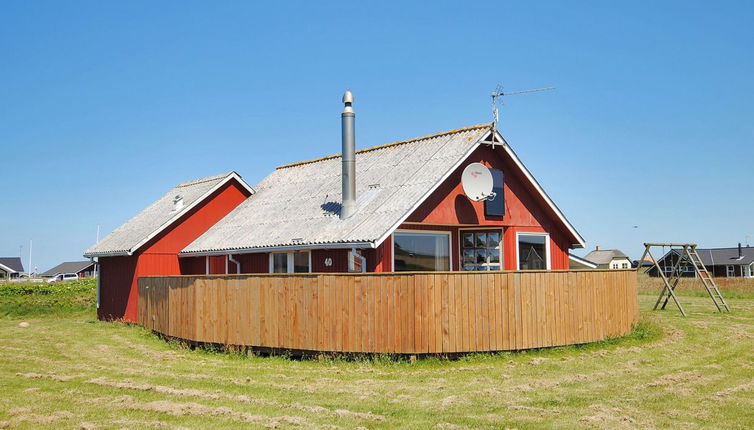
(348, 178)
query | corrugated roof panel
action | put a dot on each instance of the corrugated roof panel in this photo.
(302, 201)
(155, 217)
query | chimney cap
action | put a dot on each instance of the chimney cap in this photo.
(348, 97)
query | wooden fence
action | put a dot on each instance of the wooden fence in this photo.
(414, 313)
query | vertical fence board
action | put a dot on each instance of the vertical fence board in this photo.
(482, 316)
(429, 314)
(506, 332)
(448, 313)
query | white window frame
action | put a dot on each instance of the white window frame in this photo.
(730, 271)
(289, 260)
(533, 233)
(445, 232)
(481, 228)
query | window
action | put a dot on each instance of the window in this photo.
(480, 250)
(624, 266)
(415, 251)
(290, 262)
(496, 206)
(533, 251)
(301, 262)
(730, 271)
(279, 262)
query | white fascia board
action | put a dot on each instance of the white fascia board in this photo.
(7, 269)
(107, 254)
(237, 177)
(580, 240)
(344, 245)
(581, 260)
(186, 210)
(437, 184)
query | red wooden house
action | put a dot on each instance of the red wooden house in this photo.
(404, 210)
(148, 244)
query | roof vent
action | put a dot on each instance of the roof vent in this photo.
(177, 203)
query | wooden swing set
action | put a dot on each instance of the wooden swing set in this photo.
(687, 256)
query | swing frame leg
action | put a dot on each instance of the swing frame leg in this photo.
(667, 287)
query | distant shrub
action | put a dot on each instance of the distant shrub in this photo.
(28, 298)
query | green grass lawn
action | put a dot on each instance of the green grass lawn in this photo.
(68, 370)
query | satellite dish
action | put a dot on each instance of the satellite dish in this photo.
(477, 182)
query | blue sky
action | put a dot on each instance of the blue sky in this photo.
(104, 106)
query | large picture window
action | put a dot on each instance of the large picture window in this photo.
(481, 250)
(533, 251)
(290, 262)
(418, 252)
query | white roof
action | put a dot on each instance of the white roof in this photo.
(605, 256)
(298, 205)
(137, 231)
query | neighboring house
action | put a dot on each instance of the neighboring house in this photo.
(720, 262)
(148, 244)
(644, 264)
(83, 269)
(609, 259)
(579, 263)
(409, 213)
(10, 268)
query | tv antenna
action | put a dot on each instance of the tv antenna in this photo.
(499, 93)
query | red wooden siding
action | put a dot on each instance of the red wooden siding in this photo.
(159, 257)
(449, 205)
(380, 259)
(254, 263)
(339, 260)
(116, 277)
(525, 211)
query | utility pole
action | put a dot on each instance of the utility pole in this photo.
(30, 266)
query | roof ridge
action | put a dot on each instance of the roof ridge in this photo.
(387, 145)
(205, 179)
(727, 247)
